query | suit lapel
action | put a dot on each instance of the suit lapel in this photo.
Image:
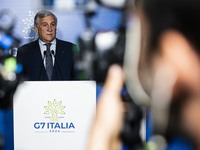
(40, 71)
(60, 55)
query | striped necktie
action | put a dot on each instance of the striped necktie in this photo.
(49, 61)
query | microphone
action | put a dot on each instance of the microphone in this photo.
(56, 65)
(52, 52)
(42, 65)
(44, 53)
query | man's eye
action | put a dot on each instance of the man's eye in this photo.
(44, 25)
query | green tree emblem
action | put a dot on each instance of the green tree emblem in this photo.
(54, 108)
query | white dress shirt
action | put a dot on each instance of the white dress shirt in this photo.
(44, 48)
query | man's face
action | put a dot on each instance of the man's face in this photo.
(46, 29)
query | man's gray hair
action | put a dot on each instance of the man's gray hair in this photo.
(42, 14)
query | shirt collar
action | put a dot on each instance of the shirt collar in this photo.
(52, 43)
(43, 47)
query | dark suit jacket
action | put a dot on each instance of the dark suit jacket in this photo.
(29, 56)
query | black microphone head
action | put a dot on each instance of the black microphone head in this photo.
(45, 52)
(52, 52)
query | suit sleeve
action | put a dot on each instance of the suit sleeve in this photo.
(19, 58)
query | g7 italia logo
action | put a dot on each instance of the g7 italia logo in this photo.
(54, 111)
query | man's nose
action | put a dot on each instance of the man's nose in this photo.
(49, 28)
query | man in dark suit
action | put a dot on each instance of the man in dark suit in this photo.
(47, 58)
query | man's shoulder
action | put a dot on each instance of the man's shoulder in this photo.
(66, 45)
(64, 42)
(28, 45)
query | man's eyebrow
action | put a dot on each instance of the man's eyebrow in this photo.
(47, 22)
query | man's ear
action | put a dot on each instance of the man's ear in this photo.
(177, 51)
(36, 29)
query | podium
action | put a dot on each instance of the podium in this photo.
(53, 115)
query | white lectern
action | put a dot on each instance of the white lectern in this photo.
(53, 115)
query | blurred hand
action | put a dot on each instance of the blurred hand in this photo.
(109, 118)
